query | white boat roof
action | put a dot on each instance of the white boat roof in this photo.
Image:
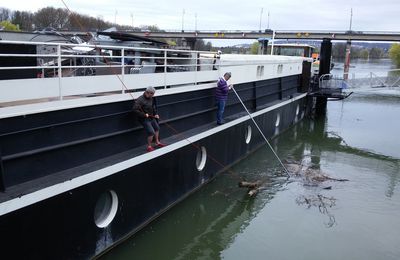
(257, 58)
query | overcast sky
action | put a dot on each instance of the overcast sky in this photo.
(368, 15)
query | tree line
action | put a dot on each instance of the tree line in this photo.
(394, 54)
(339, 52)
(59, 19)
(62, 20)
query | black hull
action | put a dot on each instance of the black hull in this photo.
(63, 226)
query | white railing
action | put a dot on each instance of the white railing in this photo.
(71, 70)
(376, 79)
(384, 79)
(329, 81)
(125, 67)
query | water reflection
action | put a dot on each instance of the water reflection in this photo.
(321, 202)
(203, 225)
(315, 140)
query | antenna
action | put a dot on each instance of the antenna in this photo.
(183, 15)
(262, 10)
(351, 17)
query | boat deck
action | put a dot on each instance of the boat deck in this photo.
(69, 174)
(37, 184)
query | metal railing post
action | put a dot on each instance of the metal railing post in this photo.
(123, 69)
(59, 72)
(370, 79)
(165, 68)
(195, 72)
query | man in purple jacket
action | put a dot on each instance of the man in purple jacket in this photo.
(221, 95)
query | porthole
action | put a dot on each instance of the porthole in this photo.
(201, 158)
(105, 209)
(278, 120)
(248, 134)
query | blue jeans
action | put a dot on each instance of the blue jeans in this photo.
(150, 126)
(220, 110)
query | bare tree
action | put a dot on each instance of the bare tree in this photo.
(5, 14)
(23, 19)
(52, 17)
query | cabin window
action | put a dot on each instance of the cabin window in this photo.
(260, 71)
(105, 209)
(201, 158)
(280, 68)
(248, 134)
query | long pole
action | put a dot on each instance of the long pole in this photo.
(183, 15)
(351, 18)
(195, 22)
(262, 134)
(348, 50)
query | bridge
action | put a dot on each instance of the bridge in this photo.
(279, 34)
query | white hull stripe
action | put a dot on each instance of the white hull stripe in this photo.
(51, 191)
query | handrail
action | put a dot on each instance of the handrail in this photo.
(55, 70)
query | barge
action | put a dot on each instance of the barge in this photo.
(75, 178)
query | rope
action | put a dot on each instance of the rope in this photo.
(262, 134)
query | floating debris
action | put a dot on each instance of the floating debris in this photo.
(310, 174)
(316, 175)
(311, 177)
(253, 187)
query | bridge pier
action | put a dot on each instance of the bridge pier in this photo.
(263, 46)
(190, 42)
(347, 61)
